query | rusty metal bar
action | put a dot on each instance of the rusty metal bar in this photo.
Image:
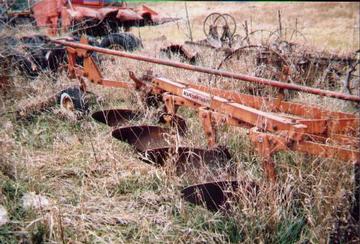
(227, 74)
(258, 118)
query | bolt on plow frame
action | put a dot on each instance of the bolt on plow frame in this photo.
(285, 125)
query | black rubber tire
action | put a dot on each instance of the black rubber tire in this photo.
(46, 55)
(77, 96)
(127, 41)
(92, 40)
(137, 42)
(55, 57)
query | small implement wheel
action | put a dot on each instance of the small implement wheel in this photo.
(72, 99)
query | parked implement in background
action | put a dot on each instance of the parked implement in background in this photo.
(101, 20)
(280, 54)
(92, 17)
(30, 55)
(15, 12)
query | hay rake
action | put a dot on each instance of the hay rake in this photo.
(284, 126)
(282, 55)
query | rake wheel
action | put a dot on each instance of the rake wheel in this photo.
(287, 34)
(351, 82)
(209, 22)
(260, 61)
(261, 34)
(230, 22)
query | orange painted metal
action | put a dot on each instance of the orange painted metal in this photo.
(48, 12)
(238, 111)
(237, 76)
(282, 126)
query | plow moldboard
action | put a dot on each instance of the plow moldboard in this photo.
(116, 117)
(193, 164)
(143, 137)
(216, 195)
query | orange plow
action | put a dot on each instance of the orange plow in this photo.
(283, 126)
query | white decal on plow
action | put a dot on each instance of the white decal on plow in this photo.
(197, 96)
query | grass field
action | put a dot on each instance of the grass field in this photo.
(100, 192)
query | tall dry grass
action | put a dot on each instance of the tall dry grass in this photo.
(102, 193)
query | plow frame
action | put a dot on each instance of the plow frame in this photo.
(285, 126)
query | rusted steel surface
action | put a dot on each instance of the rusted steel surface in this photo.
(143, 137)
(274, 125)
(218, 195)
(306, 111)
(120, 117)
(226, 74)
(317, 120)
(246, 114)
(289, 133)
(174, 121)
(116, 117)
(185, 53)
(282, 126)
(193, 165)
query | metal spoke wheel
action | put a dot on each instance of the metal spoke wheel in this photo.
(287, 34)
(230, 22)
(209, 22)
(259, 61)
(258, 37)
(351, 83)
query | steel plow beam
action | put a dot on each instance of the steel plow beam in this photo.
(84, 48)
(287, 134)
(277, 143)
(243, 113)
(316, 120)
(283, 126)
(274, 104)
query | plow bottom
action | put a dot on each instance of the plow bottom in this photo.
(143, 137)
(217, 195)
(193, 165)
(115, 117)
